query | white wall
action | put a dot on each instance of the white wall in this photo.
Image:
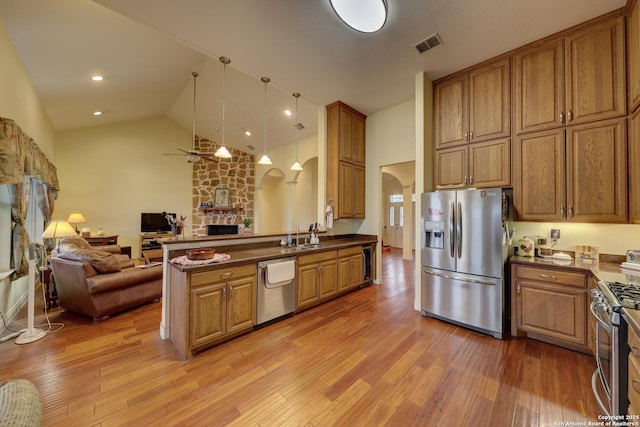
(112, 173)
(19, 102)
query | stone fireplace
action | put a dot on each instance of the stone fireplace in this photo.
(237, 174)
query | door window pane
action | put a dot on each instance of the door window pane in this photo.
(392, 216)
(401, 214)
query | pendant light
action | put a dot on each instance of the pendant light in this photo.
(296, 166)
(265, 160)
(222, 151)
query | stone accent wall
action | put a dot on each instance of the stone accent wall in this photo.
(237, 174)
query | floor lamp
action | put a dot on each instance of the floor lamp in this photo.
(55, 230)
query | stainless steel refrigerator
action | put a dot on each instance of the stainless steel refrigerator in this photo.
(463, 258)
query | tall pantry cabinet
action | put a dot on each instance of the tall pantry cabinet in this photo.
(346, 160)
(570, 151)
(633, 61)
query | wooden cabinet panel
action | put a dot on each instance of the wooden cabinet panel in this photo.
(208, 313)
(490, 164)
(450, 167)
(307, 285)
(552, 312)
(550, 304)
(328, 284)
(489, 102)
(539, 88)
(596, 172)
(539, 176)
(595, 73)
(451, 108)
(633, 56)
(346, 155)
(634, 370)
(241, 306)
(634, 167)
(344, 273)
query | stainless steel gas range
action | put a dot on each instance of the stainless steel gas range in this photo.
(609, 380)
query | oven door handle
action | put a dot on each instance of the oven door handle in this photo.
(601, 322)
(594, 387)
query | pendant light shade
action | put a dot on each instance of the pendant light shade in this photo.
(222, 151)
(265, 160)
(296, 166)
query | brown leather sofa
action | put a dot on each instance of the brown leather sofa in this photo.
(99, 283)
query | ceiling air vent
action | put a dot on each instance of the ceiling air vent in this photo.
(429, 43)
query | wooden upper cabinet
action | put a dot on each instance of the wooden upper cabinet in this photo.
(451, 101)
(451, 167)
(539, 178)
(346, 160)
(490, 164)
(539, 88)
(634, 170)
(633, 56)
(597, 172)
(595, 73)
(473, 107)
(489, 102)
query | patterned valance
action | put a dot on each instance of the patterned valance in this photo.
(20, 156)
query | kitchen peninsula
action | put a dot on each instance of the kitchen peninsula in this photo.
(183, 285)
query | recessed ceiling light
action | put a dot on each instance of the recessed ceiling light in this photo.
(97, 78)
(367, 16)
(287, 113)
(97, 113)
(247, 132)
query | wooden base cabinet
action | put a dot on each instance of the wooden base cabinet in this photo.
(316, 280)
(634, 370)
(550, 305)
(350, 262)
(211, 306)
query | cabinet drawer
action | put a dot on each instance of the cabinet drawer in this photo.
(634, 345)
(223, 274)
(556, 277)
(355, 250)
(316, 258)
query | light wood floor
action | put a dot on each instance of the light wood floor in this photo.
(366, 359)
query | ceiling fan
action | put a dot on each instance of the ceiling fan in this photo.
(193, 155)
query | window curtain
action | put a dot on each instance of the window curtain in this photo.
(22, 165)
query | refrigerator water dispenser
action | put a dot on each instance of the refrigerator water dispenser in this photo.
(434, 235)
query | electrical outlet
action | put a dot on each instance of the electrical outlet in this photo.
(555, 233)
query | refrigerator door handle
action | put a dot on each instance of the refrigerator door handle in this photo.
(459, 229)
(452, 218)
(462, 279)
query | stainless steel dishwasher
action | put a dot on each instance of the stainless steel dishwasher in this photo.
(276, 289)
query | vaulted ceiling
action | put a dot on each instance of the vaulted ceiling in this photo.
(147, 49)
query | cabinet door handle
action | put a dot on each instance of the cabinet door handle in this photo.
(224, 293)
(466, 136)
(470, 135)
(569, 116)
(635, 352)
(465, 180)
(470, 179)
(561, 117)
(518, 289)
(636, 386)
(570, 211)
(548, 276)
(561, 210)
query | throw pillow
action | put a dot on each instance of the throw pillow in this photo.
(102, 261)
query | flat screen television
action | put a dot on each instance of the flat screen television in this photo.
(154, 223)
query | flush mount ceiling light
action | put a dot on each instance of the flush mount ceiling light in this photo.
(265, 160)
(367, 16)
(97, 78)
(222, 151)
(296, 166)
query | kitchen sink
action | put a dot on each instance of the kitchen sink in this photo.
(294, 249)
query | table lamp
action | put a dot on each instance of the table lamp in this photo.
(57, 229)
(76, 218)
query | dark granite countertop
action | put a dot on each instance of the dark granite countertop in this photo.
(244, 254)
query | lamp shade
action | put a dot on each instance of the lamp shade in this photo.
(57, 229)
(76, 218)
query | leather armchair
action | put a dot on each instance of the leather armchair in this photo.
(97, 283)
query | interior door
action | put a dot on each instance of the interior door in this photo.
(394, 224)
